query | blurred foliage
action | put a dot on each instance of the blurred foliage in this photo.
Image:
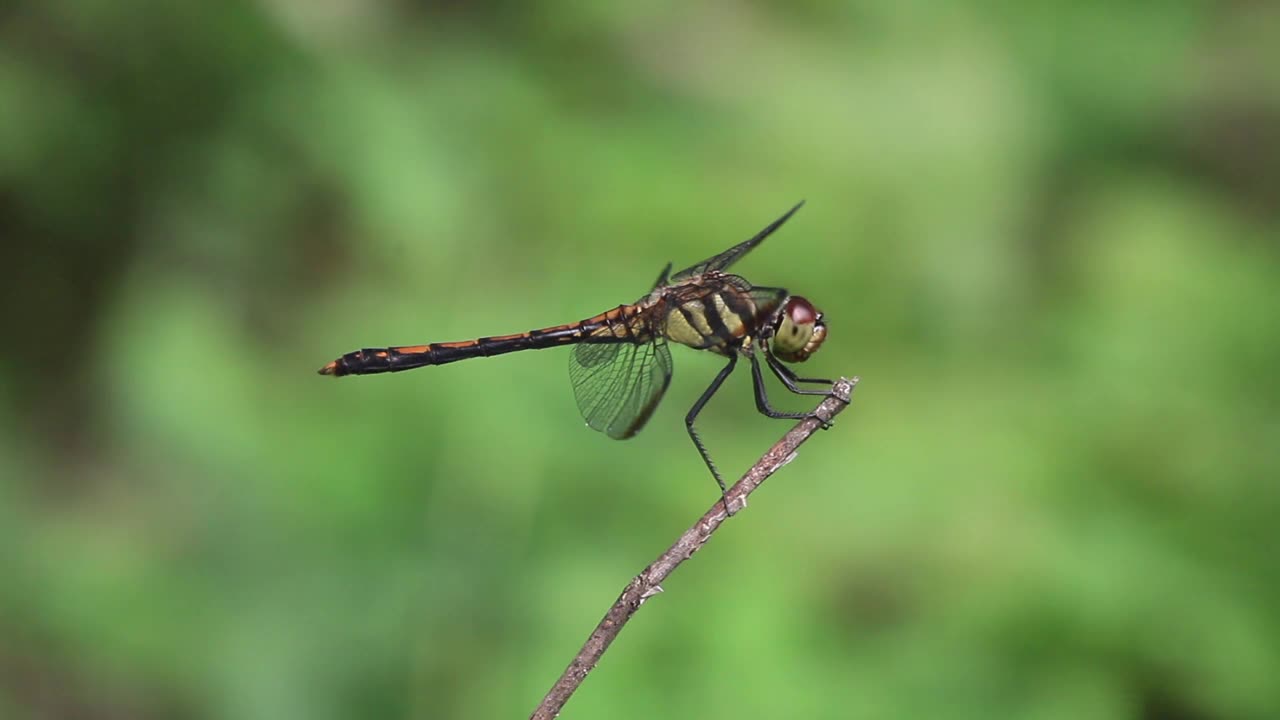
(1045, 235)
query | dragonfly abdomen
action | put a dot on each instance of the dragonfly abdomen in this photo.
(614, 326)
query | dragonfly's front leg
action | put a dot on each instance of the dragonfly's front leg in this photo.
(762, 396)
(789, 378)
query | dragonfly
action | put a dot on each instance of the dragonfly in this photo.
(621, 363)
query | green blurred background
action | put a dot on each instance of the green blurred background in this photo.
(1046, 236)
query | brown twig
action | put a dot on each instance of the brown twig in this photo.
(647, 583)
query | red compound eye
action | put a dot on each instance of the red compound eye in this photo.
(801, 311)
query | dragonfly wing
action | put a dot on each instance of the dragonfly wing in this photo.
(618, 385)
(730, 256)
(662, 279)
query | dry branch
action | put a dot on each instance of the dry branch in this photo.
(648, 582)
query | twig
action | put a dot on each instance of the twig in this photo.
(647, 583)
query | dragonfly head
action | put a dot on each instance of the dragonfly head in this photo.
(798, 331)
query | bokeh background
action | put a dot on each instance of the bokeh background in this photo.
(1045, 235)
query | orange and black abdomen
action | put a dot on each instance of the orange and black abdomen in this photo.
(370, 361)
(614, 326)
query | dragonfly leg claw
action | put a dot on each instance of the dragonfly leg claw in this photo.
(823, 423)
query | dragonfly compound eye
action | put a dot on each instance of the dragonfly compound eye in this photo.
(800, 330)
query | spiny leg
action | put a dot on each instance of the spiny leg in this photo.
(790, 379)
(762, 398)
(693, 415)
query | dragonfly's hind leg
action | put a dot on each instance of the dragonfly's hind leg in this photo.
(693, 433)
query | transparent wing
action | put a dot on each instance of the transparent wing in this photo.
(618, 385)
(730, 256)
(662, 279)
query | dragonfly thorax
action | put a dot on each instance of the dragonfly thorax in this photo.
(798, 331)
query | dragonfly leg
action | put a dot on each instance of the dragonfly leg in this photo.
(693, 433)
(762, 398)
(789, 378)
